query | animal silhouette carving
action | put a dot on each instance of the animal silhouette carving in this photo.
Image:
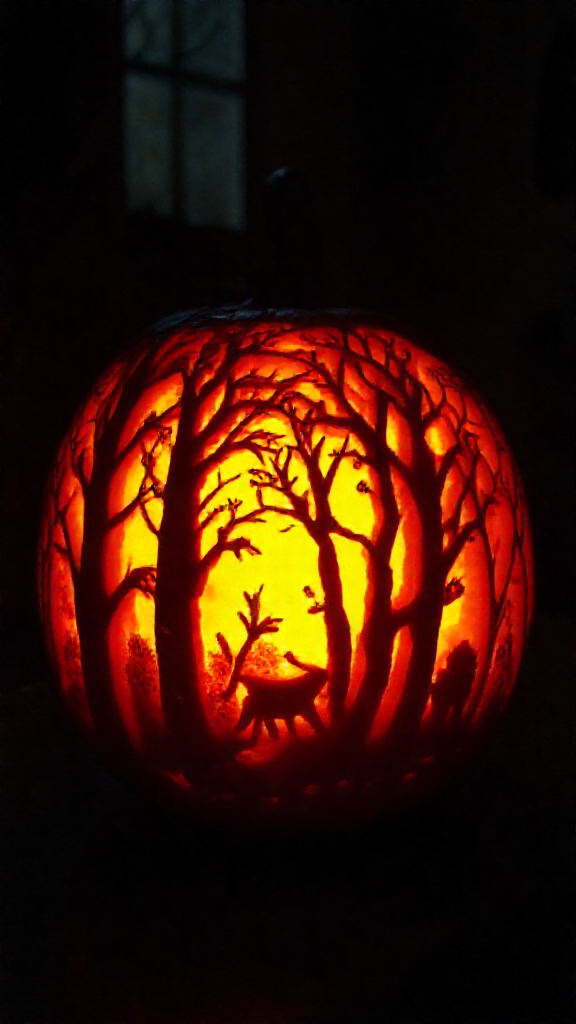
(453, 684)
(274, 697)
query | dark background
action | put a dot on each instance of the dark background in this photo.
(432, 147)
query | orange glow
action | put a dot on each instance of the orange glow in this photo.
(292, 475)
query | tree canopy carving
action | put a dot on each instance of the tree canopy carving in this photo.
(322, 492)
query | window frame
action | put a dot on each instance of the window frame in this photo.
(179, 78)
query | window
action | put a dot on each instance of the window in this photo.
(184, 101)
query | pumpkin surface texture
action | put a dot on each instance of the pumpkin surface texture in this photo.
(285, 566)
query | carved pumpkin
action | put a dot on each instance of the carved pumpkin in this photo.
(285, 565)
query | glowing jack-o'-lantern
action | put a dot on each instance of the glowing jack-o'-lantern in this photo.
(285, 565)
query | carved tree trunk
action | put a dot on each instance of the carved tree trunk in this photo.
(425, 623)
(337, 628)
(379, 628)
(424, 629)
(497, 611)
(179, 587)
(378, 642)
(93, 609)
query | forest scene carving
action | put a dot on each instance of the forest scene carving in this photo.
(280, 553)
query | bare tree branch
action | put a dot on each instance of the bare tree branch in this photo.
(395, 399)
(77, 459)
(343, 531)
(148, 520)
(468, 487)
(210, 516)
(61, 518)
(403, 616)
(447, 461)
(239, 544)
(106, 408)
(142, 578)
(335, 464)
(395, 461)
(152, 423)
(229, 407)
(358, 458)
(259, 442)
(150, 487)
(225, 648)
(120, 517)
(279, 480)
(453, 550)
(219, 486)
(255, 628)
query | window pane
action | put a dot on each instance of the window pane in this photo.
(213, 158)
(213, 37)
(147, 134)
(147, 30)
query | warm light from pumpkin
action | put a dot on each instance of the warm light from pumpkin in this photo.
(284, 560)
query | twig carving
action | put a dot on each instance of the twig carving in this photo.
(255, 628)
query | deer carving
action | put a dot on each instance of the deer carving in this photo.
(276, 697)
(271, 697)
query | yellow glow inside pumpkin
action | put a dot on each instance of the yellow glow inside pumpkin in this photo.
(287, 565)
